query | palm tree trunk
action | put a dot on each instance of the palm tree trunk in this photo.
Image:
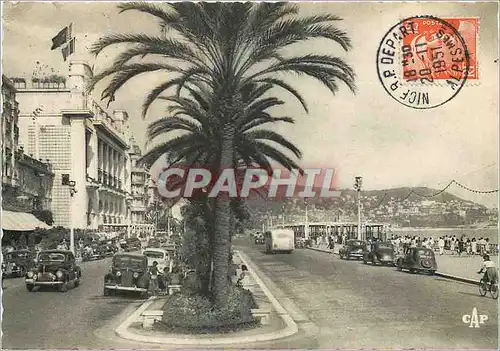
(222, 229)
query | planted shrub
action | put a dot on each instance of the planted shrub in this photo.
(196, 314)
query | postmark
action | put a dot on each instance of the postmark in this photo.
(423, 50)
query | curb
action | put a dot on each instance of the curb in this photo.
(439, 274)
(457, 278)
(290, 329)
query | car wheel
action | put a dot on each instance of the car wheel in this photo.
(144, 294)
(365, 261)
(432, 272)
(412, 271)
(22, 272)
(106, 292)
(30, 287)
(63, 287)
(373, 262)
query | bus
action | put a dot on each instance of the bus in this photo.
(280, 240)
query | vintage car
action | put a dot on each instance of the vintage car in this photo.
(418, 259)
(380, 252)
(131, 245)
(17, 263)
(129, 272)
(159, 255)
(259, 239)
(54, 268)
(353, 249)
(106, 250)
(154, 243)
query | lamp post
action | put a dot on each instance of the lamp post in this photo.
(283, 216)
(72, 192)
(358, 183)
(306, 225)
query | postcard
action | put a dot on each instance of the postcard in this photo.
(250, 175)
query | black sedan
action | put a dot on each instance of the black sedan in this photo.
(353, 249)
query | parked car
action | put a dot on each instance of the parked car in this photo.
(380, 252)
(159, 255)
(128, 272)
(154, 243)
(17, 263)
(353, 249)
(106, 250)
(131, 245)
(54, 268)
(259, 239)
(93, 255)
(417, 260)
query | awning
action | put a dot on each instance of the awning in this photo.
(21, 221)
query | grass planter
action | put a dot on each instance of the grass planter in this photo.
(194, 314)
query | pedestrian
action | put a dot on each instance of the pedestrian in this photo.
(460, 247)
(441, 245)
(153, 282)
(474, 246)
(243, 274)
(331, 243)
(452, 245)
(468, 247)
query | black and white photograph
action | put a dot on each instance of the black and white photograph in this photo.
(250, 175)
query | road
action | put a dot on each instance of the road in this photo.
(346, 304)
(50, 319)
(337, 304)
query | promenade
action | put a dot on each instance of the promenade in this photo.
(463, 266)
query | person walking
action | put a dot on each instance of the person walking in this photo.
(441, 246)
(452, 245)
(474, 246)
(153, 282)
(331, 243)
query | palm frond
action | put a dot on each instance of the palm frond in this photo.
(274, 137)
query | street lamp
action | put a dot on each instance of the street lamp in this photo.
(283, 216)
(358, 183)
(306, 225)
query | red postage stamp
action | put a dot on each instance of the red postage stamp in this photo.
(423, 55)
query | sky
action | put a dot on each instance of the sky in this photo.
(366, 134)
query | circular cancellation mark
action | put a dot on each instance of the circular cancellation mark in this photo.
(423, 62)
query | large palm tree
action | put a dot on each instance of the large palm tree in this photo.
(225, 47)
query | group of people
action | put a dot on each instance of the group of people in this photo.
(452, 244)
(160, 281)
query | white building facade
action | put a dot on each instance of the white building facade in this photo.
(88, 148)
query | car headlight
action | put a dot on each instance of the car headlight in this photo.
(30, 274)
(136, 275)
(118, 273)
(59, 274)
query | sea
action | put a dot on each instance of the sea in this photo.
(486, 233)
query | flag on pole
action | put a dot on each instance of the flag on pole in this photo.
(61, 38)
(68, 49)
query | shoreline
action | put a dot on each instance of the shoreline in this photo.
(400, 229)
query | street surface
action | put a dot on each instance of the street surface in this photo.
(50, 319)
(339, 304)
(351, 305)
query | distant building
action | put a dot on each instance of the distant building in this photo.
(26, 181)
(139, 186)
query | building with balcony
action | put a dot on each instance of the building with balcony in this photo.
(26, 181)
(139, 186)
(87, 145)
(10, 133)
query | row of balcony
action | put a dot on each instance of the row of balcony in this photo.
(108, 180)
